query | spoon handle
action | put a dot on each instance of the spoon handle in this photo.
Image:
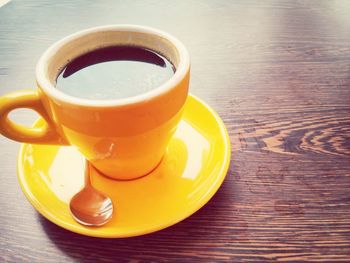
(87, 175)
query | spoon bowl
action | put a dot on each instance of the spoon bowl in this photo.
(91, 207)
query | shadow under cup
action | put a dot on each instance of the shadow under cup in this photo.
(123, 138)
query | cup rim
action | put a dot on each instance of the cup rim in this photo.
(45, 84)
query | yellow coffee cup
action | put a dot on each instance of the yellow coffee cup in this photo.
(123, 138)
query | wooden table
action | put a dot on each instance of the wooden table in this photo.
(278, 73)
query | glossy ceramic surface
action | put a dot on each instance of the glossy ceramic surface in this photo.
(190, 173)
(123, 138)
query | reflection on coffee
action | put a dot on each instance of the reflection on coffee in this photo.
(114, 72)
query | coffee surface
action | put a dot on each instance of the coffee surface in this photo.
(114, 72)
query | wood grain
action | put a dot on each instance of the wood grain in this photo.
(278, 73)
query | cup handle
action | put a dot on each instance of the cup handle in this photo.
(44, 134)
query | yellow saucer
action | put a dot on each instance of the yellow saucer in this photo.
(190, 173)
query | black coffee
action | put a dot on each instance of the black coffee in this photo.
(114, 72)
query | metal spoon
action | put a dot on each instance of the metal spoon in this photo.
(90, 207)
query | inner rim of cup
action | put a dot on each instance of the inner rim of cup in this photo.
(54, 60)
